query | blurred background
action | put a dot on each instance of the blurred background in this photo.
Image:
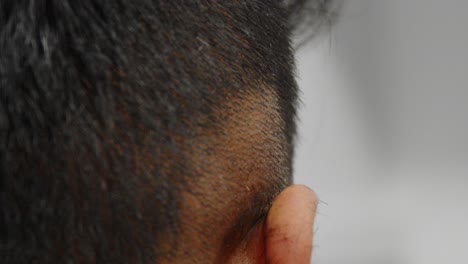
(383, 133)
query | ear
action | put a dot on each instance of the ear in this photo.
(288, 230)
(286, 235)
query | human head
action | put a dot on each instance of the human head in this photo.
(142, 131)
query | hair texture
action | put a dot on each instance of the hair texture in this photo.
(100, 102)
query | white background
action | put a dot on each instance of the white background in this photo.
(383, 133)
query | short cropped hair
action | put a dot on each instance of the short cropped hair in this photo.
(102, 108)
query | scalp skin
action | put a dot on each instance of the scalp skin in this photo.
(241, 170)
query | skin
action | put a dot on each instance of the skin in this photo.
(286, 235)
(289, 239)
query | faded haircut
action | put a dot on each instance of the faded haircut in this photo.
(102, 107)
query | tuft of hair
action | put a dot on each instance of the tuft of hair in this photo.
(307, 18)
(98, 102)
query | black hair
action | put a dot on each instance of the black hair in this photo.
(98, 103)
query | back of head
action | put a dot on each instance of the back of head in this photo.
(141, 131)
